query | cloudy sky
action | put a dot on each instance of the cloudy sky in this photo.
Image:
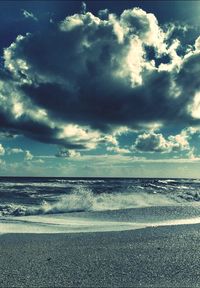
(100, 88)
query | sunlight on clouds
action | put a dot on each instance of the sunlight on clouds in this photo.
(145, 25)
(28, 156)
(111, 139)
(197, 44)
(72, 130)
(176, 60)
(118, 150)
(2, 150)
(156, 142)
(194, 108)
(134, 60)
(71, 22)
(39, 114)
(151, 126)
(76, 20)
(80, 135)
(19, 66)
(121, 130)
(132, 64)
(18, 109)
(117, 28)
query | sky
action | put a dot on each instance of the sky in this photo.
(100, 88)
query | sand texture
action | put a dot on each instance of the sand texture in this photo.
(151, 257)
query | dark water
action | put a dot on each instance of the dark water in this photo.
(35, 196)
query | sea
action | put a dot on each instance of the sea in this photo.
(74, 205)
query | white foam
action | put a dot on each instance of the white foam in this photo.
(85, 200)
(66, 224)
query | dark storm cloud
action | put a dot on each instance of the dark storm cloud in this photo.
(34, 129)
(19, 117)
(97, 75)
(187, 78)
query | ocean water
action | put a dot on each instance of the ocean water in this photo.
(59, 205)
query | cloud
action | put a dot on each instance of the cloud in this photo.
(3, 165)
(28, 156)
(29, 15)
(155, 142)
(2, 150)
(118, 150)
(7, 135)
(112, 144)
(14, 150)
(38, 161)
(81, 79)
(63, 153)
(83, 7)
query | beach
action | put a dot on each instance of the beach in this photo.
(99, 232)
(167, 256)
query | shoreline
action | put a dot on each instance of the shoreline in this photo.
(101, 221)
(167, 256)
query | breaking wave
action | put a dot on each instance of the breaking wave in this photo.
(84, 200)
(49, 196)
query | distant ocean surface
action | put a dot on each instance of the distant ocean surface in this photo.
(65, 198)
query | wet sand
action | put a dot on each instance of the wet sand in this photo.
(151, 257)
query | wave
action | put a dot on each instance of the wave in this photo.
(167, 181)
(84, 200)
(94, 195)
(34, 184)
(190, 196)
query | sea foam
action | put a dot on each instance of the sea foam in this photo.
(84, 200)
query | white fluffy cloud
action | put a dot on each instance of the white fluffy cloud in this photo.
(155, 142)
(28, 155)
(118, 150)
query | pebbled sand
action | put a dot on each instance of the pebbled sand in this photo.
(151, 257)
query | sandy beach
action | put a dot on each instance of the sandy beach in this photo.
(150, 257)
